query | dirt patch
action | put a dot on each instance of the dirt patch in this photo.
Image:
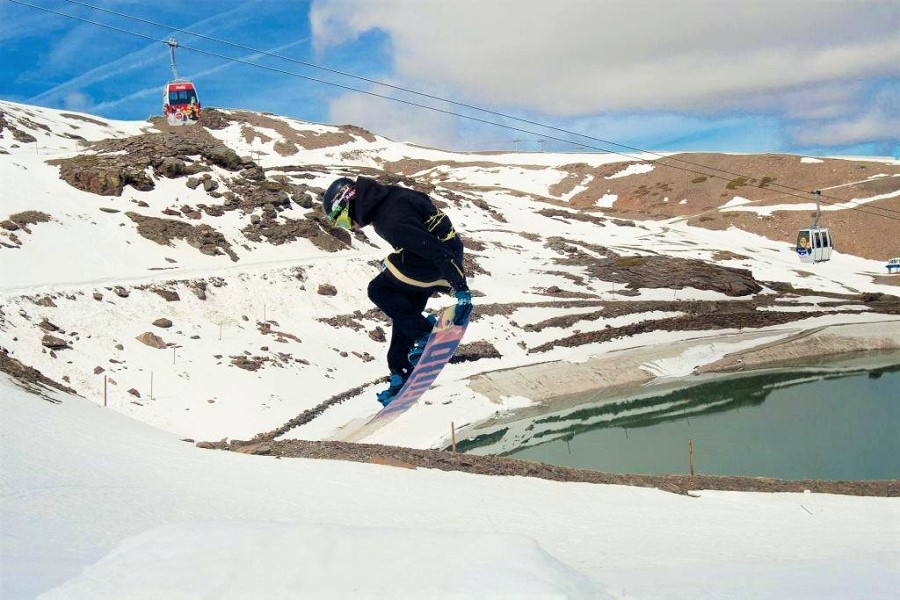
(84, 118)
(291, 140)
(490, 465)
(887, 279)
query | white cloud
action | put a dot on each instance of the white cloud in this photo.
(77, 101)
(587, 57)
(413, 124)
(879, 122)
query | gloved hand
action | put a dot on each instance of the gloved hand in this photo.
(463, 307)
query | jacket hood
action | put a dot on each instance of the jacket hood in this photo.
(369, 196)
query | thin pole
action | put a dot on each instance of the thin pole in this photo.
(691, 453)
(817, 194)
(104, 390)
(172, 45)
(151, 385)
(453, 434)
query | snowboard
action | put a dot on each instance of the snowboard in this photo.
(441, 346)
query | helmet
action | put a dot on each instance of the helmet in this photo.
(336, 201)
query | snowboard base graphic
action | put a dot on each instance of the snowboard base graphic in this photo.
(441, 345)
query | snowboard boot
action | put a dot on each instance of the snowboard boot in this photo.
(396, 382)
(418, 347)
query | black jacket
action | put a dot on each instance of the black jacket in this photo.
(427, 251)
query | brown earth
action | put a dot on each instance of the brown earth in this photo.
(710, 180)
(491, 465)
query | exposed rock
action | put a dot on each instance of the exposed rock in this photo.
(170, 168)
(45, 301)
(168, 295)
(152, 340)
(377, 334)
(98, 370)
(199, 289)
(30, 377)
(475, 351)
(326, 289)
(163, 323)
(248, 363)
(163, 231)
(98, 296)
(46, 325)
(134, 393)
(121, 292)
(54, 343)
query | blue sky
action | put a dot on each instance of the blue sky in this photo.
(809, 76)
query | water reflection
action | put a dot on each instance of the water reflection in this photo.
(807, 414)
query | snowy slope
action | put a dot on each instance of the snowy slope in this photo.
(112, 508)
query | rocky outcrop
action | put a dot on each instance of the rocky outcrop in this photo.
(165, 231)
(675, 273)
(655, 271)
(115, 163)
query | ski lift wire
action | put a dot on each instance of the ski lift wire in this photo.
(804, 196)
(772, 185)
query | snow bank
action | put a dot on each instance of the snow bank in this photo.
(289, 560)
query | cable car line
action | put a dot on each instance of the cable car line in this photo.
(668, 160)
(771, 185)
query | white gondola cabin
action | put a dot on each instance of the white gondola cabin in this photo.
(814, 244)
(893, 265)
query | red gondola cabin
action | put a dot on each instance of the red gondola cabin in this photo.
(181, 106)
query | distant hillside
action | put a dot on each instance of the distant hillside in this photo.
(187, 273)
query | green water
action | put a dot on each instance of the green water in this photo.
(787, 425)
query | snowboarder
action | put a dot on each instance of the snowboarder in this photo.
(427, 258)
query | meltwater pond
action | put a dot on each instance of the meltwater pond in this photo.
(820, 424)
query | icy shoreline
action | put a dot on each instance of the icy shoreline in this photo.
(633, 367)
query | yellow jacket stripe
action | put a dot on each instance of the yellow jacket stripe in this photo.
(409, 280)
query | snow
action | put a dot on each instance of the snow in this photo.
(108, 502)
(634, 169)
(115, 508)
(810, 160)
(765, 211)
(736, 201)
(607, 200)
(241, 559)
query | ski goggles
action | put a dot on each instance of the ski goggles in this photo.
(340, 208)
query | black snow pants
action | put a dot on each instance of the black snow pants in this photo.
(404, 305)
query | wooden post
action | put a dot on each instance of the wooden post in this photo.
(173, 355)
(691, 454)
(151, 385)
(104, 390)
(453, 434)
